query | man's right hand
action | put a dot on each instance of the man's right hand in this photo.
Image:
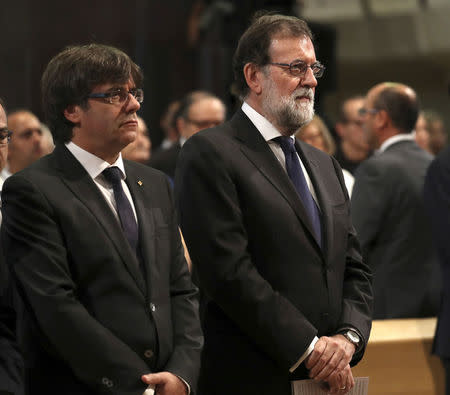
(329, 362)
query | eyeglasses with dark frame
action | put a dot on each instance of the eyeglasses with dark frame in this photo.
(5, 134)
(298, 68)
(364, 111)
(118, 95)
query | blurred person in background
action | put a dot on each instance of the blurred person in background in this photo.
(198, 110)
(388, 209)
(433, 123)
(140, 149)
(353, 147)
(27, 143)
(167, 124)
(47, 144)
(316, 133)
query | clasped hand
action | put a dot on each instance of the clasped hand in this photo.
(329, 362)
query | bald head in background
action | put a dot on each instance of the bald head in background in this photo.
(27, 143)
(390, 108)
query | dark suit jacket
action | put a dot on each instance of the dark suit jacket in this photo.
(166, 160)
(389, 216)
(437, 200)
(93, 323)
(271, 287)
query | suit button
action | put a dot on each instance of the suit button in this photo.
(148, 354)
(106, 381)
(152, 307)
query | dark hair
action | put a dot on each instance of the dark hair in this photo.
(402, 108)
(72, 74)
(253, 46)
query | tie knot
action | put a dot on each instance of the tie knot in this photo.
(112, 175)
(286, 143)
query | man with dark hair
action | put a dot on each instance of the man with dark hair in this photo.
(11, 364)
(93, 244)
(388, 210)
(266, 220)
(353, 147)
(198, 110)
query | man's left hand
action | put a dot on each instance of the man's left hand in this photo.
(165, 383)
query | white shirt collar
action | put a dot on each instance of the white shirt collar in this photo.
(395, 139)
(93, 164)
(267, 130)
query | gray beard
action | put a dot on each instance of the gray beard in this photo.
(284, 112)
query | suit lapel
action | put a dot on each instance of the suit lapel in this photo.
(256, 149)
(83, 187)
(145, 221)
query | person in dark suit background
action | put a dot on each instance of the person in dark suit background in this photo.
(287, 293)
(11, 363)
(93, 244)
(437, 202)
(388, 210)
(198, 110)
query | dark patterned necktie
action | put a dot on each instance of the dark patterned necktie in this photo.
(124, 209)
(297, 177)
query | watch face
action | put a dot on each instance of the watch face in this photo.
(353, 337)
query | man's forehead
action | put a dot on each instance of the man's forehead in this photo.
(296, 47)
(110, 85)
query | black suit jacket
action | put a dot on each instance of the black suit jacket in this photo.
(92, 322)
(272, 288)
(437, 200)
(389, 215)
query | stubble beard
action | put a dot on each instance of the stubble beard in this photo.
(284, 112)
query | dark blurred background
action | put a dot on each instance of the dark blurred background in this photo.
(188, 44)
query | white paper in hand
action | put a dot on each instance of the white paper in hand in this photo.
(150, 390)
(310, 387)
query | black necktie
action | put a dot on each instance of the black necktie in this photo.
(126, 214)
(297, 177)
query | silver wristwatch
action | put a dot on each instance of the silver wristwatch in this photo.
(352, 337)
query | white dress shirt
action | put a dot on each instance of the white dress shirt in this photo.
(94, 167)
(394, 139)
(269, 132)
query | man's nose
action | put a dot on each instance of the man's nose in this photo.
(309, 80)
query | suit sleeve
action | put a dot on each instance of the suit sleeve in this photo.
(36, 253)
(214, 230)
(188, 340)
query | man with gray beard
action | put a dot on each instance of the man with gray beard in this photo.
(266, 221)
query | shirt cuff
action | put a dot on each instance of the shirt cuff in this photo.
(308, 351)
(186, 384)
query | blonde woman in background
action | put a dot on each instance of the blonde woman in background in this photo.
(317, 134)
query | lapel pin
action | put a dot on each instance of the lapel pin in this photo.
(139, 183)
